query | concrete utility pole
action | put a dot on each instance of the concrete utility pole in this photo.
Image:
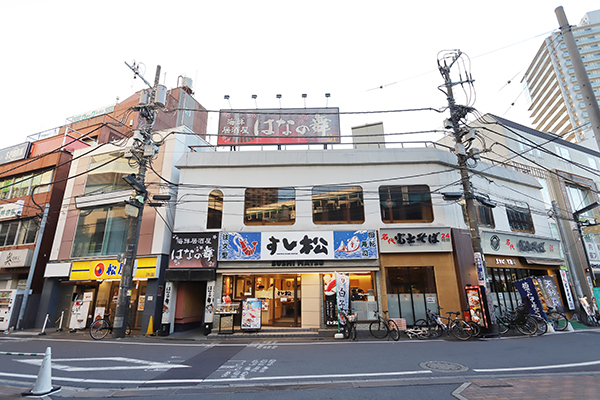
(458, 112)
(143, 150)
(591, 103)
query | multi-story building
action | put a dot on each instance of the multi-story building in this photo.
(569, 174)
(32, 182)
(50, 167)
(287, 221)
(556, 102)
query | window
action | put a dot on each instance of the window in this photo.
(100, 231)
(215, 210)
(270, 206)
(405, 203)
(338, 205)
(519, 218)
(108, 177)
(580, 197)
(485, 216)
(22, 185)
(18, 232)
(563, 152)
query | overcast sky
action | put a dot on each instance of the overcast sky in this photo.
(62, 58)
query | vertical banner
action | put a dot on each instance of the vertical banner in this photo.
(567, 288)
(168, 306)
(550, 292)
(329, 296)
(343, 291)
(209, 308)
(481, 278)
(527, 288)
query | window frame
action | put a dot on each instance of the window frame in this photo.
(389, 205)
(214, 213)
(114, 215)
(328, 202)
(259, 211)
(516, 210)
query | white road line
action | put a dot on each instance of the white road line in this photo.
(101, 364)
(198, 381)
(573, 365)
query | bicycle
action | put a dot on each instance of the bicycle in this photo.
(558, 319)
(348, 325)
(459, 328)
(518, 320)
(101, 327)
(383, 327)
(542, 324)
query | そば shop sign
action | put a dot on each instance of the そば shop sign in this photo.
(279, 126)
(415, 240)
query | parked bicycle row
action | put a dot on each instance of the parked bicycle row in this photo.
(436, 325)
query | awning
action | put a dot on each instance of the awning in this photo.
(544, 261)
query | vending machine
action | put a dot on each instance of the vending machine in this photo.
(80, 309)
(7, 298)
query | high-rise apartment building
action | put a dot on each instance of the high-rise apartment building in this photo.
(556, 102)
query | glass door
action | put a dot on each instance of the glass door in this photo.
(287, 296)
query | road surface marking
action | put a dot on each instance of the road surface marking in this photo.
(136, 364)
(573, 365)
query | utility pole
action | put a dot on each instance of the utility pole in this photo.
(143, 150)
(458, 112)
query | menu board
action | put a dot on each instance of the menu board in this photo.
(476, 305)
(251, 314)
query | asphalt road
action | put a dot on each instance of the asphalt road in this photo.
(298, 369)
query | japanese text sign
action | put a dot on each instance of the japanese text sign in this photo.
(409, 240)
(194, 250)
(317, 245)
(279, 126)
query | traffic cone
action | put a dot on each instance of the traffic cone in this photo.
(43, 383)
(150, 330)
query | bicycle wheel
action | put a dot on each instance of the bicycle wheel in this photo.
(434, 331)
(99, 329)
(475, 328)
(503, 325)
(394, 330)
(558, 320)
(352, 332)
(542, 325)
(461, 330)
(378, 329)
(529, 327)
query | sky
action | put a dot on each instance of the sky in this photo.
(62, 58)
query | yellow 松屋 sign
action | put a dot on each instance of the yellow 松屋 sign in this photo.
(111, 269)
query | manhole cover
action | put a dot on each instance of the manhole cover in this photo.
(443, 366)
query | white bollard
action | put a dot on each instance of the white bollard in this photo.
(43, 383)
(550, 328)
(43, 332)
(570, 327)
(62, 314)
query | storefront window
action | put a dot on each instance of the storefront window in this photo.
(338, 205)
(281, 296)
(100, 231)
(362, 297)
(410, 292)
(270, 206)
(405, 204)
